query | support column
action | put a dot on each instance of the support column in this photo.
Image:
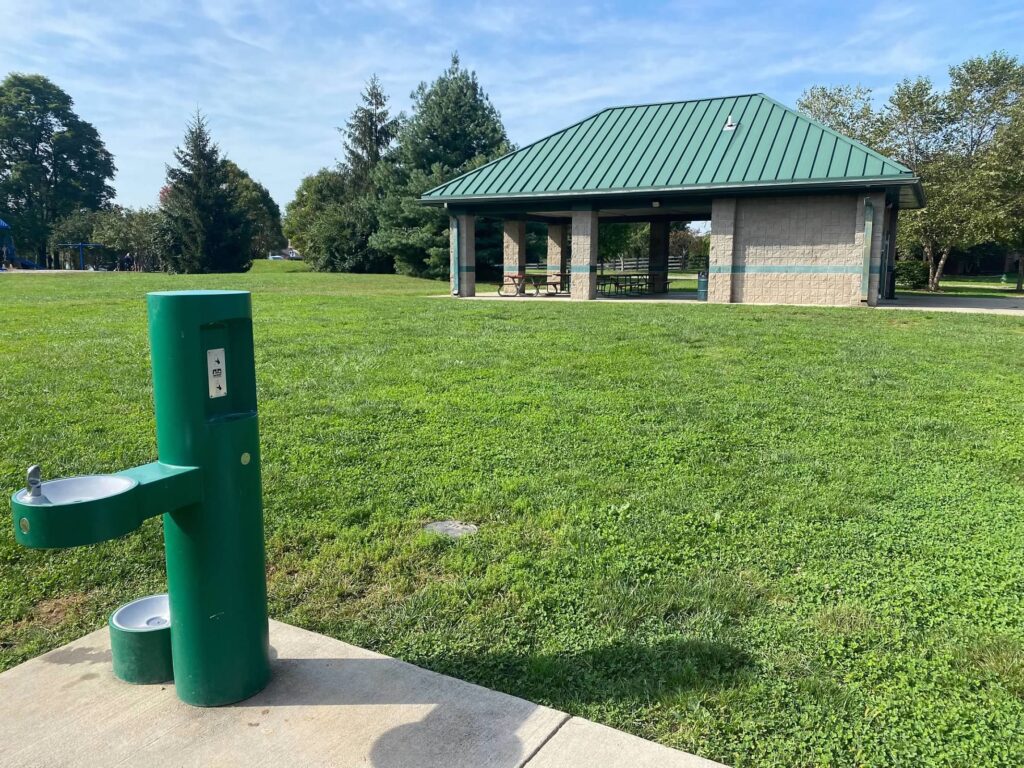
(720, 260)
(558, 254)
(514, 247)
(874, 204)
(583, 285)
(657, 259)
(462, 238)
(890, 264)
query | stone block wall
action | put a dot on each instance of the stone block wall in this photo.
(585, 231)
(514, 247)
(793, 250)
(720, 255)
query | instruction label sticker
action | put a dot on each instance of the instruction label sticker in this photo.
(216, 373)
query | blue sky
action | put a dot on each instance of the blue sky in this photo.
(276, 77)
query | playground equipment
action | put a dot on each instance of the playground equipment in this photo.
(80, 247)
(206, 484)
(8, 253)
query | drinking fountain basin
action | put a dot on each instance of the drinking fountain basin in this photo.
(73, 490)
(143, 615)
(75, 511)
(140, 641)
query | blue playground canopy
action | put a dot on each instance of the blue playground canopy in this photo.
(4, 224)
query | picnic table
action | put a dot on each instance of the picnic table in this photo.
(518, 284)
(632, 283)
(624, 284)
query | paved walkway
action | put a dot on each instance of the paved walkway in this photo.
(953, 303)
(938, 303)
(328, 704)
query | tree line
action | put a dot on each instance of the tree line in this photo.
(362, 215)
(966, 142)
(55, 174)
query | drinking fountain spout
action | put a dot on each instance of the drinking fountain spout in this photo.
(34, 485)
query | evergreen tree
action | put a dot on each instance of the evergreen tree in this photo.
(369, 134)
(454, 128)
(209, 230)
(334, 212)
(453, 124)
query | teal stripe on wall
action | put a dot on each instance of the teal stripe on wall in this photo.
(464, 268)
(788, 269)
(583, 268)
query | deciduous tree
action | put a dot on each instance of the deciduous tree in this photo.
(1004, 170)
(944, 137)
(52, 163)
(259, 208)
(140, 237)
(844, 108)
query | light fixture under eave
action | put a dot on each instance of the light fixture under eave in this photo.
(730, 125)
(655, 204)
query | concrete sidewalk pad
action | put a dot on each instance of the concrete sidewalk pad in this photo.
(581, 743)
(329, 704)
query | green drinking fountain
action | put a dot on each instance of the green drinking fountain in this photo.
(206, 485)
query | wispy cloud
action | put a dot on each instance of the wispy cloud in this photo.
(276, 78)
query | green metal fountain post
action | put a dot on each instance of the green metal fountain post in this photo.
(206, 484)
(204, 386)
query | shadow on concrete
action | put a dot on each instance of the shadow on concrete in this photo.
(439, 722)
(465, 725)
(616, 671)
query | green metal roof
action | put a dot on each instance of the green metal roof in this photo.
(680, 146)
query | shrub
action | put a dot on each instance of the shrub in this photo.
(911, 274)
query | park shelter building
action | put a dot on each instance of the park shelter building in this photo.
(799, 213)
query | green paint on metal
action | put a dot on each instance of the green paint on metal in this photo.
(215, 556)
(206, 485)
(148, 491)
(869, 220)
(141, 655)
(678, 146)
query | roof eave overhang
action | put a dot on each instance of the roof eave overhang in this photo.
(910, 183)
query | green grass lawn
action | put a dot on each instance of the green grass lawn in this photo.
(976, 286)
(773, 536)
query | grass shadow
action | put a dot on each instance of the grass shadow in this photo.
(609, 674)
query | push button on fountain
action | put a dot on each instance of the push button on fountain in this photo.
(216, 372)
